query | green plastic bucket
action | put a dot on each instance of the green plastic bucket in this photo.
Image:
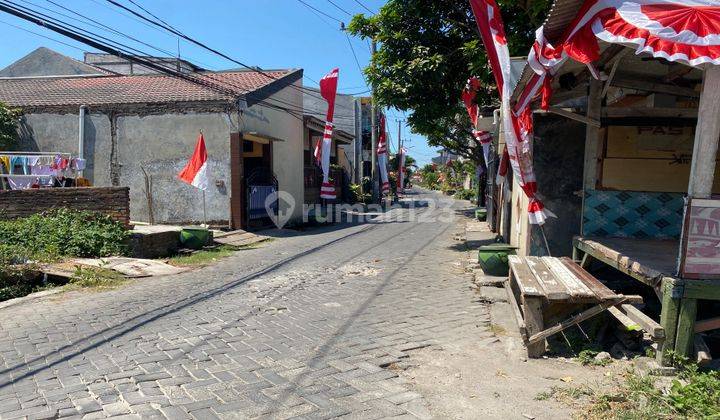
(493, 259)
(194, 238)
(481, 214)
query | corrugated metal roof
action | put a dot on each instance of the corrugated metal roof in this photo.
(560, 16)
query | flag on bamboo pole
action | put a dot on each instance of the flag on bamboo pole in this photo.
(382, 157)
(328, 90)
(401, 171)
(195, 172)
(517, 127)
(483, 138)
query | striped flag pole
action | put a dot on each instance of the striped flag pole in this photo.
(328, 90)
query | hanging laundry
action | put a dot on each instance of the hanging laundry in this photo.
(5, 164)
(20, 161)
(32, 161)
(78, 164)
(20, 182)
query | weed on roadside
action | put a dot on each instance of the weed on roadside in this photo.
(205, 256)
(497, 329)
(587, 358)
(693, 394)
(95, 278)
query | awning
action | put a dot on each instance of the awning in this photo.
(254, 136)
(687, 32)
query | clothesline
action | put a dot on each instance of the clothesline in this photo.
(23, 170)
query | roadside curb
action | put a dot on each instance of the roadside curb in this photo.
(32, 296)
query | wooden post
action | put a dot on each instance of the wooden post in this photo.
(702, 170)
(668, 318)
(686, 327)
(702, 174)
(532, 309)
(593, 136)
(237, 180)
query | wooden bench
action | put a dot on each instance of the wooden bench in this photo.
(551, 291)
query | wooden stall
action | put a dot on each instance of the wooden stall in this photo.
(650, 171)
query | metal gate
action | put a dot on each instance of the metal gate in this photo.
(261, 184)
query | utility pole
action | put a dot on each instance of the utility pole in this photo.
(374, 139)
(399, 141)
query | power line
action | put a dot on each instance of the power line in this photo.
(198, 43)
(355, 56)
(336, 6)
(321, 12)
(129, 16)
(121, 50)
(364, 7)
(165, 25)
(62, 28)
(110, 29)
(43, 36)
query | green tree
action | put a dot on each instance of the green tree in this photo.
(427, 50)
(8, 126)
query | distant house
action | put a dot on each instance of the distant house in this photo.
(149, 123)
(46, 62)
(119, 65)
(346, 119)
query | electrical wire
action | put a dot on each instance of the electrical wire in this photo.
(336, 6)
(321, 12)
(122, 50)
(43, 36)
(198, 43)
(364, 7)
(57, 26)
(161, 23)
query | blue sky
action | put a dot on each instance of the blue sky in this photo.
(266, 33)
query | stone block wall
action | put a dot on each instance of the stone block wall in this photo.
(113, 201)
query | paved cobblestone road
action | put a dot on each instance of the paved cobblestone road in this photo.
(309, 326)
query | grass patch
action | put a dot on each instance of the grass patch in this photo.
(587, 358)
(205, 256)
(693, 394)
(497, 329)
(48, 237)
(95, 278)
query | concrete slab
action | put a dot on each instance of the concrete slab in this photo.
(132, 267)
(493, 294)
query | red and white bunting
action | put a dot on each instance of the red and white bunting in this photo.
(685, 31)
(382, 157)
(517, 128)
(328, 90)
(484, 138)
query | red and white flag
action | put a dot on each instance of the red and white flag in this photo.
(195, 172)
(484, 138)
(517, 127)
(328, 90)
(382, 157)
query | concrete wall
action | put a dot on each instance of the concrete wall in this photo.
(162, 144)
(46, 132)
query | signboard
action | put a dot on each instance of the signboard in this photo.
(700, 251)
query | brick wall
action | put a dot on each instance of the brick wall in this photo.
(113, 201)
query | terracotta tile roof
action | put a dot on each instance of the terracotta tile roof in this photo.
(141, 89)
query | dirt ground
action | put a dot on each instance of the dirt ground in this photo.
(489, 376)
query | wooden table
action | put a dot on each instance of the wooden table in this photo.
(547, 290)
